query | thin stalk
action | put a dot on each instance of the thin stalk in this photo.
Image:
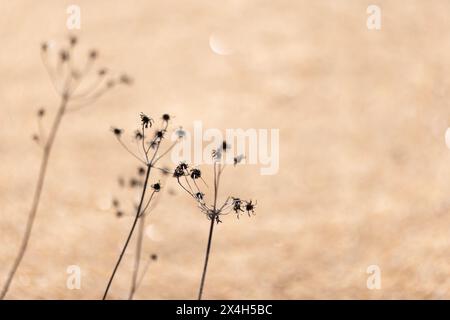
(211, 229)
(37, 195)
(137, 257)
(137, 260)
(208, 249)
(138, 212)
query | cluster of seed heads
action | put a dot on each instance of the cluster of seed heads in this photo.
(187, 178)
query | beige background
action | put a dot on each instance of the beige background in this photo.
(364, 171)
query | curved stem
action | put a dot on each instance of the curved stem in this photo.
(130, 233)
(36, 197)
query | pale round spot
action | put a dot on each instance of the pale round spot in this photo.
(220, 45)
(447, 137)
(152, 233)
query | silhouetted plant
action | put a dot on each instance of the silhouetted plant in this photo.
(69, 81)
(149, 147)
(183, 174)
(136, 181)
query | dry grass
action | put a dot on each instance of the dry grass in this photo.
(364, 176)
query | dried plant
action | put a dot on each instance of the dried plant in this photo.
(213, 212)
(136, 181)
(71, 84)
(148, 148)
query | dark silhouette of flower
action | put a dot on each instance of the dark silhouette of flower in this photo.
(250, 207)
(196, 174)
(199, 195)
(156, 187)
(146, 121)
(159, 134)
(117, 132)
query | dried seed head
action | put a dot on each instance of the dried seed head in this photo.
(196, 174)
(141, 171)
(238, 159)
(183, 165)
(41, 112)
(250, 207)
(166, 117)
(159, 134)
(146, 120)
(64, 55)
(117, 132)
(119, 214)
(73, 40)
(180, 170)
(93, 54)
(125, 79)
(237, 203)
(121, 182)
(199, 195)
(102, 72)
(138, 135)
(44, 46)
(110, 84)
(35, 137)
(156, 187)
(154, 257)
(115, 203)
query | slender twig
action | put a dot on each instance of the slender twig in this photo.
(138, 211)
(208, 249)
(213, 212)
(37, 195)
(137, 257)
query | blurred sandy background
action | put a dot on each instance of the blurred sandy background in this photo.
(364, 170)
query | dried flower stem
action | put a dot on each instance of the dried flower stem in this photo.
(138, 212)
(208, 249)
(137, 257)
(65, 82)
(135, 282)
(214, 212)
(211, 229)
(37, 195)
